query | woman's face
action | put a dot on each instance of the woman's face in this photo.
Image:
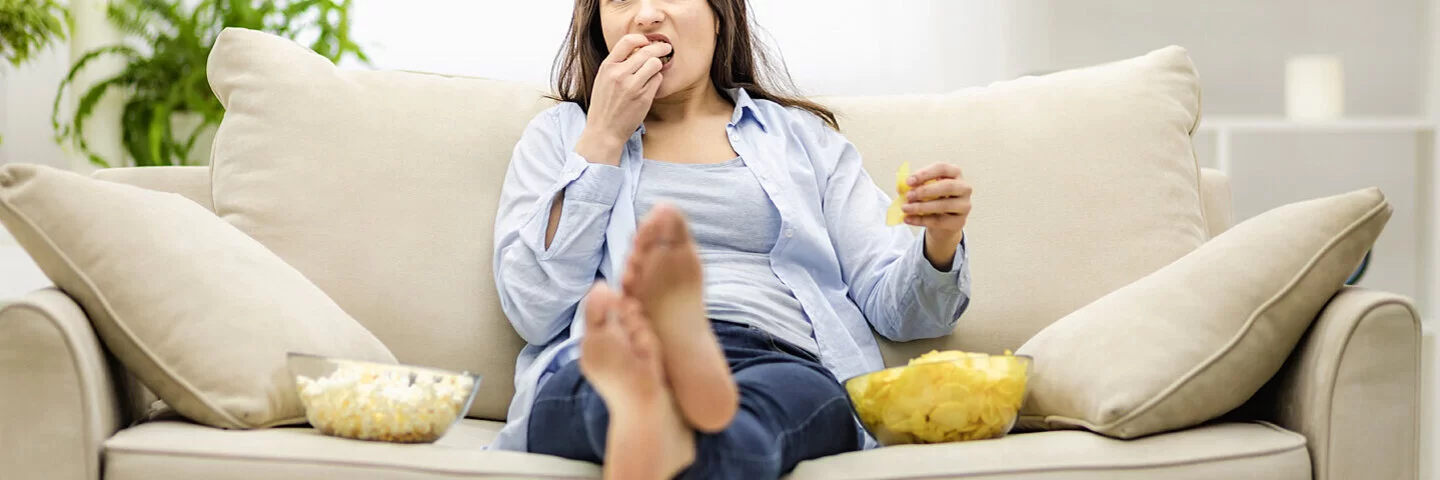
(689, 25)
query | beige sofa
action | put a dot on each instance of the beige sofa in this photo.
(1329, 415)
(1345, 406)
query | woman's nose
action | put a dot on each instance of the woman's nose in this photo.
(649, 14)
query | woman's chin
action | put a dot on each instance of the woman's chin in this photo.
(666, 90)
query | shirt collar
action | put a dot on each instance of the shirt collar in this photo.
(745, 107)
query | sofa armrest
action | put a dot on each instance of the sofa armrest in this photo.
(60, 402)
(1352, 387)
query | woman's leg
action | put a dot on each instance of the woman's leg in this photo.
(664, 274)
(619, 378)
(791, 410)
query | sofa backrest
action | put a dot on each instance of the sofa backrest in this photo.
(382, 187)
(1085, 180)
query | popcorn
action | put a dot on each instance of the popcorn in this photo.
(371, 402)
(942, 397)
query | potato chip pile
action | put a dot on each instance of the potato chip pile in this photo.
(942, 397)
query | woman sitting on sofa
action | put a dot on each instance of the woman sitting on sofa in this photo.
(666, 108)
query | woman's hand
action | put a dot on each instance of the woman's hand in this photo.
(624, 88)
(939, 200)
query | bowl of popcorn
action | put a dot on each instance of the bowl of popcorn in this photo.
(378, 401)
(942, 397)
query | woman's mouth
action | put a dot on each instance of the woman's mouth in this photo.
(659, 38)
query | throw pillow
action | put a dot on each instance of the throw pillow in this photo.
(381, 187)
(200, 312)
(1085, 180)
(1197, 338)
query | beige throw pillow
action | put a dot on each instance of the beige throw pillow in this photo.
(381, 187)
(1085, 180)
(1197, 338)
(201, 313)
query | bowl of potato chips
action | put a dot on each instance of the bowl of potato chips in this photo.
(940, 397)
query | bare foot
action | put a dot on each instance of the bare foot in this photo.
(620, 357)
(664, 274)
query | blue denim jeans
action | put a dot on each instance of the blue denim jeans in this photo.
(791, 409)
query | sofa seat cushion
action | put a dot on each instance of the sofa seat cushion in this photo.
(1230, 450)
(179, 450)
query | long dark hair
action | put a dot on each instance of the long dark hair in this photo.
(740, 60)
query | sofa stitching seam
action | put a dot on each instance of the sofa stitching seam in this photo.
(345, 463)
(1171, 463)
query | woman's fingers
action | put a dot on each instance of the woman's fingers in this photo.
(646, 72)
(940, 189)
(652, 86)
(934, 172)
(957, 206)
(643, 55)
(942, 222)
(626, 46)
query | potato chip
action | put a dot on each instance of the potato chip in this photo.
(894, 216)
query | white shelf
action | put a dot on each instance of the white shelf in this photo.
(1280, 124)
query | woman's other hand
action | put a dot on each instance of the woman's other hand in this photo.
(939, 200)
(624, 89)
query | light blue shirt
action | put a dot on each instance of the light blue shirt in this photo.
(735, 227)
(850, 272)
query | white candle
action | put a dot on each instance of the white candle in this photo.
(1314, 87)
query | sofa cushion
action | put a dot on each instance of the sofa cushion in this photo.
(1199, 337)
(1231, 451)
(201, 313)
(1085, 181)
(381, 187)
(177, 450)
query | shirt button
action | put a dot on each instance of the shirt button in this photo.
(789, 232)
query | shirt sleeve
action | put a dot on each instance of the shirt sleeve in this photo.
(541, 287)
(902, 295)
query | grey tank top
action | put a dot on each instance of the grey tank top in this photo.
(736, 226)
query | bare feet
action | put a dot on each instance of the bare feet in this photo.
(664, 274)
(620, 357)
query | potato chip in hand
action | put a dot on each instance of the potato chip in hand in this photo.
(894, 216)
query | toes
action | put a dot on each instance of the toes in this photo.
(671, 224)
(631, 317)
(598, 304)
(646, 233)
(645, 344)
(633, 273)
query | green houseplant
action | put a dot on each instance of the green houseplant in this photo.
(27, 26)
(163, 76)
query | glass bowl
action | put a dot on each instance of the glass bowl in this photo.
(941, 397)
(379, 401)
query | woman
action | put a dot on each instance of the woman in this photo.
(733, 373)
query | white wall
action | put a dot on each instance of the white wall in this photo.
(831, 46)
(1240, 45)
(26, 95)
